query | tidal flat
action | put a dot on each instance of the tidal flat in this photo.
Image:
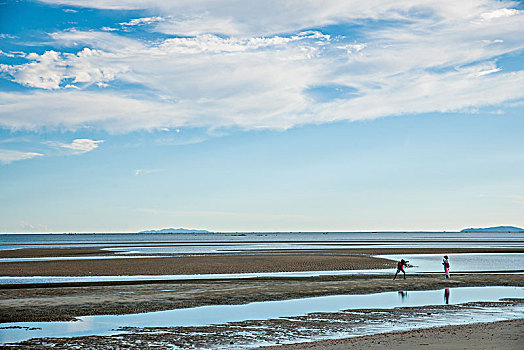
(23, 303)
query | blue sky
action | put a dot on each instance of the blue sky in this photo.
(118, 116)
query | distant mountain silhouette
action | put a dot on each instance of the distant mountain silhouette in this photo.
(175, 230)
(494, 229)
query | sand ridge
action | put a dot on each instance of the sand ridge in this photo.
(194, 265)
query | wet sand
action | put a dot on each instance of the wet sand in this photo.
(247, 262)
(51, 252)
(53, 302)
(189, 265)
(66, 301)
(480, 336)
(288, 330)
(83, 251)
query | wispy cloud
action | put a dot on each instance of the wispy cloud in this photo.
(503, 12)
(2, 53)
(28, 227)
(513, 198)
(142, 21)
(517, 199)
(7, 36)
(108, 29)
(9, 156)
(140, 172)
(230, 66)
(78, 146)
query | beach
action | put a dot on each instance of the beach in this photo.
(66, 301)
(496, 335)
(235, 174)
(219, 264)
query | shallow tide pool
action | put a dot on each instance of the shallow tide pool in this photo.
(221, 314)
(462, 262)
(422, 263)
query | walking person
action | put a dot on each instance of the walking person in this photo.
(400, 268)
(445, 262)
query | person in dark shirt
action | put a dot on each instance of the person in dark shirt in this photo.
(400, 268)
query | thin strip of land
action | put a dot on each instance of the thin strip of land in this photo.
(85, 251)
(189, 265)
(52, 252)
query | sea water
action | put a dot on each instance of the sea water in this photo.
(222, 314)
(187, 243)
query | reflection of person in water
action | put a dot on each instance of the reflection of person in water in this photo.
(446, 295)
(403, 295)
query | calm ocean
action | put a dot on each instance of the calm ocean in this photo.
(278, 240)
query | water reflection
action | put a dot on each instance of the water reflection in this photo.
(463, 262)
(403, 295)
(223, 314)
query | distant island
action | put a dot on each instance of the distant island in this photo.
(175, 230)
(494, 229)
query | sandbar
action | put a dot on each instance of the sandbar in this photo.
(479, 336)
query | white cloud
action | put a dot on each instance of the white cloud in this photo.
(139, 172)
(9, 156)
(78, 146)
(440, 57)
(7, 36)
(27, 227)
(142, 21)
(518, 199)
(52, 70)
(82, 145)
(352, 48)
(513, 198)
(504, 12)
(269, 17)
(7, 54)
(488, 71)
(198, 25)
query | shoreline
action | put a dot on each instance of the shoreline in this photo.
(354, 249)
(257, 261)
(490, 335)
(63, 302)
(67, 300)
(397, 328)
(36, 302)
